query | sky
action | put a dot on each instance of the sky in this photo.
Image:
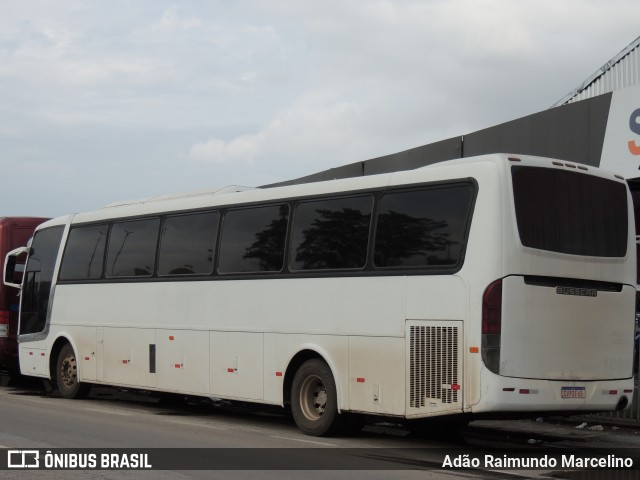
(110, 100)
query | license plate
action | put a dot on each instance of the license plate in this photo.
(573, 392)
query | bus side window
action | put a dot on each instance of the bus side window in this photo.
(187, 244)
(132, 248)
(422, 228)
(84, 253)
(331, 234)
(253, 239)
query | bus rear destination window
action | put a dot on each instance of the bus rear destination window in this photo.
(570, 212)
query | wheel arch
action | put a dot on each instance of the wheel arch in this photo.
(309, 352)
(59, 342)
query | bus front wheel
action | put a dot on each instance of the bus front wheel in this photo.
(67, 375)
(314, 403)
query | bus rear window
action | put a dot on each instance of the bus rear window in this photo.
(570, 212)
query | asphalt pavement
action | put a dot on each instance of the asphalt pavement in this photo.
(577, 431)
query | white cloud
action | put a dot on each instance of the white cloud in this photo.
(315, 130)
(241, 150)
(250, 92)
(112, 71)
(171, 21)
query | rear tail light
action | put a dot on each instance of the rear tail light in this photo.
(4, 323)
(492, 325)
(492, 309)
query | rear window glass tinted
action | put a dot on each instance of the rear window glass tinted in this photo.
(570, 212)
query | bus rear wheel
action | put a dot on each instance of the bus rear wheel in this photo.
(67, 375)
(314, 403)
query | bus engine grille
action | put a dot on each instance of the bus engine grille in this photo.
(433, 365)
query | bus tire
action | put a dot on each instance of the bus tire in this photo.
(67, 375)
(314, 403)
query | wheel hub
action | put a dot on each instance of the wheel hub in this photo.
(313, 398)
(68, 371)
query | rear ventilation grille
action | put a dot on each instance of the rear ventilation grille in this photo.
(433, 365)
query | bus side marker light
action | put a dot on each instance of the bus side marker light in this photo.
(87, 358)
(360, 380)
(508, 389)
(628, 390)
(613, 392)
(527, 391)
(171, 338)
(278, 374)
(474, 350)
(232, 370)
(42, 354)
(178, 365)
(30, 353)
(455, 386)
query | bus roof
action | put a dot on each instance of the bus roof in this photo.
(234, 195)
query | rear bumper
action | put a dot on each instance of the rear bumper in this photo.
(506, 394)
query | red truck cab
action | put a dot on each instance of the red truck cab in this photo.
(14, 232)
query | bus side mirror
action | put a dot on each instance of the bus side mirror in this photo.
(13, 270)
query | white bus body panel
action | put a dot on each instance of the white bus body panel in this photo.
(33, 361)
(126, 357)
(570, 329)
(183, 360)
(237, 365)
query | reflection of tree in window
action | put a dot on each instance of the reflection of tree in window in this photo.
(84, 253)
(132, 246)
(184, 270)
(268, 247)
(426, 227)
(335, 239)
(101, 236)
(403, 240)
(119, 252)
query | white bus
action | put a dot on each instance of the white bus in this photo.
(477, 286)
